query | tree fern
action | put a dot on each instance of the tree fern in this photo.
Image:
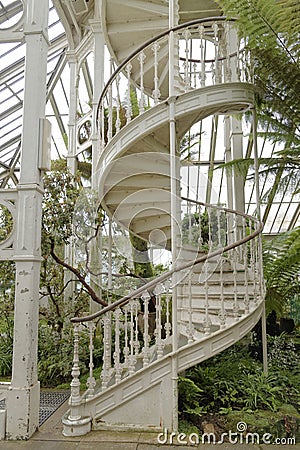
(271, 29)
(281, 270)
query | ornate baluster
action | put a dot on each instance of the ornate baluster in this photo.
(195, 74)
(238, 60)
(146, 351)
(190, 328)
(256, 272)
(110, 114)
(156, 93)
(136, 331)
(189, 212)
(202, 53)
(246, 278)
(219, 228)
(128, 106)
(133, 321)
(222, 313)
(118, 106)
(158, 328)
(126, 347)
(227, 72)
(235, 301)
(252, 264)
(187, 76)
(200, 240)
(105, 374)
(168, 326)
(75, 383)
(213, 73)
(217, 77)
(91, 382)
(102, 128)
(141, 59)
(207, 321)
(210, 239)
(117, 352)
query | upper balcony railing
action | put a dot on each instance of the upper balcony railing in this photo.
(206, 52)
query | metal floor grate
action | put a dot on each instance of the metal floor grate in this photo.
(50, 401)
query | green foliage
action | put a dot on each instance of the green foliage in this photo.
(234, 381)
(271, 29)
(55, 355)
(281, 259)
(6, 223)
(203, 229)
(6, 332)
(59, 200)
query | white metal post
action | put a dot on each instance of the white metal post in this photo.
(258, 213)
(174, 211)
(99, 46)
(24, 394)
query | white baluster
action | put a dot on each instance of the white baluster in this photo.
(118, 106)
(75, 383)
(102, 128)
(187, 76)
(235, 289)
(91, 382)
(133, 321)
(217, 77)
(246, 279)
(106, 368)
(126, 346)
(156, 93)
(202, 53)
(228, 72)
(207, 321)
(128, 105)
(190, 327)
(110, 114)
(158, 324)
(117, 352)
(146, 353)
(136, 331)
(219, 228)
(222, 313)
(141, 59)
(168, 326)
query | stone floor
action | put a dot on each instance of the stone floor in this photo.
(49, 437)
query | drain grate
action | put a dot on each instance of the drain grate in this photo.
(50, 401)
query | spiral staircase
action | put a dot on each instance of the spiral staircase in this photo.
(213, 294)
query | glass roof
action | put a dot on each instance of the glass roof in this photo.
(280, 212)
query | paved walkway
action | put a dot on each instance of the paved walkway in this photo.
(50, 437)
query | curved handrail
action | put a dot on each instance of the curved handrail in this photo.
(151, 284)
(147, 44)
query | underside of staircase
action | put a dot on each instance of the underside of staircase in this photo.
(212, 295)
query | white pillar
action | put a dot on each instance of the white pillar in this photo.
(24, 393)
(237, 153)
(72, 165)
(175, 208)
(99, 46)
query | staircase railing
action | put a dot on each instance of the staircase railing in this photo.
(208, 53)
(134, 334)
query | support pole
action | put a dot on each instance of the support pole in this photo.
(258, 211)
(23, 396)
(174, 212)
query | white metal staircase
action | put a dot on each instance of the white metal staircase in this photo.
(213, 294)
